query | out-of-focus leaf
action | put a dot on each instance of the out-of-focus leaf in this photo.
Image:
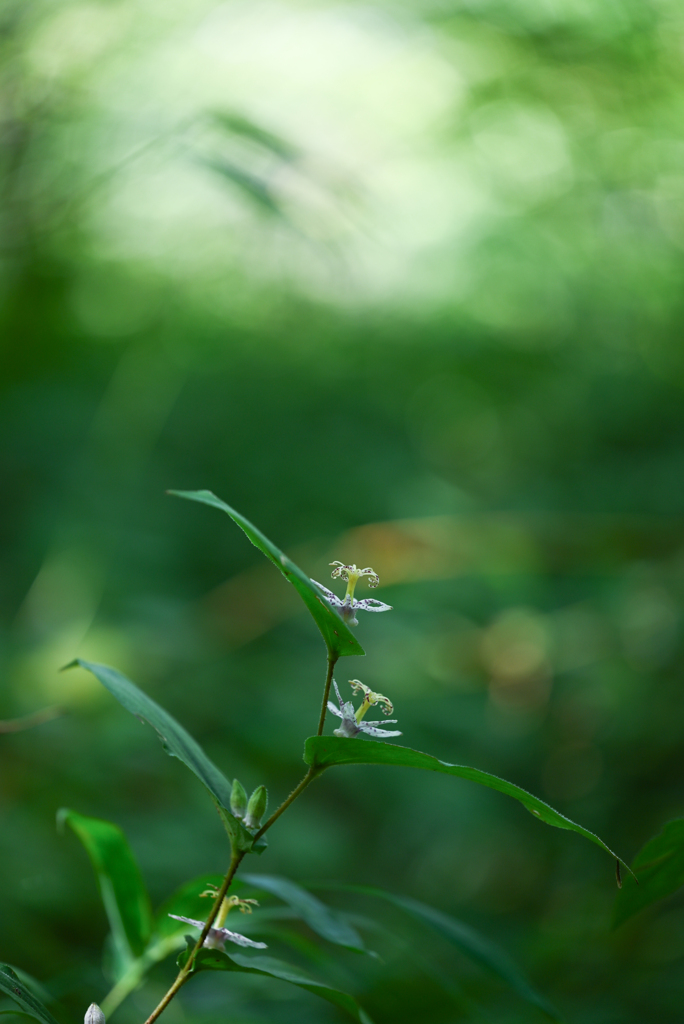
(256, 188)
(338, 638)
(175, 740)
(238, 124)
(476, 946)
(122, 888)
(659, 866)
(215, 960)
(325, 751)
(12, 986)
(29, 721)
(321, 919)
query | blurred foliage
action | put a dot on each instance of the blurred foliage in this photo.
(403, 283)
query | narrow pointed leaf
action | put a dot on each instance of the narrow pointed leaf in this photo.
(33, 985)
(338, 637)
(175, 741)
(215, 960)
(122, 888)
(325, 751)
(13, 987)
(470, 942)
(659, 866)
(321, 919)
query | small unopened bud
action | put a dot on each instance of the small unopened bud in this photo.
(238, 799)
(94, 1015)
(256, 808)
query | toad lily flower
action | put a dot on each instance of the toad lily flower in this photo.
(352, 721)
(218, 935)
(349, 606)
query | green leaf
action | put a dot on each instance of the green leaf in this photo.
(254, 187)
(215, 960)
(338, 637)
(659, 866)
(175, 741)
(123, 891)
(238, 124)
(325, 751)
(476, 946)
(319, 918)
(12, 986)
(33, 985)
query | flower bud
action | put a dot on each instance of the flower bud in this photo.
(238, 799)
(256, 808)
(94, 1015)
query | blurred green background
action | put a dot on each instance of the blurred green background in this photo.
(403, 283)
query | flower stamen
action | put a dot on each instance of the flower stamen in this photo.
(370, 699)
(348, 606)
(352, 575)
(227, 904)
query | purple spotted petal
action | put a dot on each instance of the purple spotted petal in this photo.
(188, 920)
(240, 940)
(218, 936)
(335, 601)
(369, 604)
(380, 734)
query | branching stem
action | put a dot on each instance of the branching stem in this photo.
(186, 971)
(309, 777)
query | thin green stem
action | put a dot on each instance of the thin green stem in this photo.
(309, 777)
(185, 971)
(237, 856)
(332, 659)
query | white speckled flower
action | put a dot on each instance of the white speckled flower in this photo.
(218, 935)
(348, 606)
(352, 721)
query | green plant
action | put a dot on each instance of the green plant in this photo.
(140, 938)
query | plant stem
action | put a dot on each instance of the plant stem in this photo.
(237, 856)
(332, 659)
(312, 772)
(185, 971)
(309, 777)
